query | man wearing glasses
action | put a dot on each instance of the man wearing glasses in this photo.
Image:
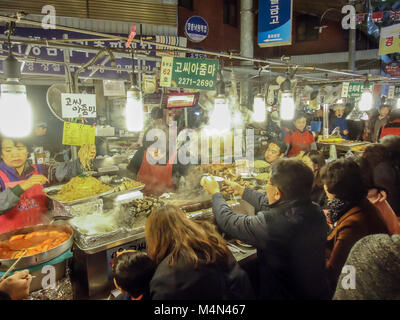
(288, 230)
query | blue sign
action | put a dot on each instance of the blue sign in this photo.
(196, 29)
(197, 55)
(56, 55)
(275, 23)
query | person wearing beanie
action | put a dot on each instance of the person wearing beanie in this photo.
(376, 262)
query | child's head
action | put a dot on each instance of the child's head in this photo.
(339, 110)
(384, 110)
(133, 271)
(300, 121)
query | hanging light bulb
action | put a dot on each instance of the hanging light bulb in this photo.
(287, 107)
(237, 119)
(134, 110)
(134, 114)
(220, 118)
(15, 111)
(259, 110)
(366, 101)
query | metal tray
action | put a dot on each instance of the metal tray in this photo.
(39, 258)
(69, 203)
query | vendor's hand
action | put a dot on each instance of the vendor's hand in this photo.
(345, 132)
(36, 179)
(236, 187)
(17, 286)
(210, 185)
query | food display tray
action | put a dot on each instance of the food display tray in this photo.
(69, 203)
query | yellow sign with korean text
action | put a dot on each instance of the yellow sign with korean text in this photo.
(390, 40)
(78, 134)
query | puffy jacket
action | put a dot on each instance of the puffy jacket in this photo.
(206, 282)
(290, 240)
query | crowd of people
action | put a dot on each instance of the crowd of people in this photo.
(314, 222)
(303, 245)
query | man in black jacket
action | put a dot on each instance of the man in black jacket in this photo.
(289, 232)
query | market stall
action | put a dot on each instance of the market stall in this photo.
(99, 207)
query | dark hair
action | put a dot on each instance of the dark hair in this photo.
(298, 115)
(394, 115)
(156, 113)
(343, 178)
(293, 178)
(281, 144)
(317, 158)
(373, 155)
(392, 144)
(133, 272)
(24, 141)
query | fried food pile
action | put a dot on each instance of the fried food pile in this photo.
(81, 187)
(127, 185)
(219, 170)
(137, 210)
(34, 242)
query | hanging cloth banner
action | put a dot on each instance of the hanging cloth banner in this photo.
(275, 23)
(390, 40)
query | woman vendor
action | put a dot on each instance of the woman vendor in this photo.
(22, 201)
(152, 166)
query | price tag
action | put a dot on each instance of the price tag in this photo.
(345, 89)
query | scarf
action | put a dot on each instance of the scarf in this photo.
(337, 208)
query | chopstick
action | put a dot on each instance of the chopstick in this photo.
(13, 266)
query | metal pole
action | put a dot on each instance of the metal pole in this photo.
(352, 46)
(326, 121)
(108, 36)
(246, 46)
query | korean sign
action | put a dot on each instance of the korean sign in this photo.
(189, 73)
(77, 134)
(390, 40)
(275, 23)
(356, 89)
(76, 105)
(196, 29)
(78, 56)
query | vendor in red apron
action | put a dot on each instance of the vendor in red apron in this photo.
(22, 201)
(154, 167)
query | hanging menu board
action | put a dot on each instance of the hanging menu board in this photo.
(189, 73)
(78, 105)
(77, 134)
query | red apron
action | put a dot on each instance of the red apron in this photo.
(158, 179)
(28, 210)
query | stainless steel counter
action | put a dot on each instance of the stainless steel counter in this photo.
(91, 271)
